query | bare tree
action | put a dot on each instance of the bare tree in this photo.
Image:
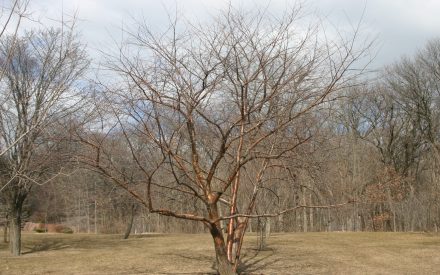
(40, 70)
(11, 19)
(398, 115)
(201, 107)
(415, 84)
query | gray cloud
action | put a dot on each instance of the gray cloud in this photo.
(401, 26)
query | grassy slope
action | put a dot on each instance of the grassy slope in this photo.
(296, 253)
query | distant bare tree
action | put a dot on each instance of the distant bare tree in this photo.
(398, 115)
(11, 18)
(416, 85)
(40, 70)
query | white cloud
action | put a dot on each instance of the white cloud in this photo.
(402, 25)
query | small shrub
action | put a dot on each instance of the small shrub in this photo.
(40, 230)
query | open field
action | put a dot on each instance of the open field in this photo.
(293, 253)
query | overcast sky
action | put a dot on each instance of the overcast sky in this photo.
(401, 26)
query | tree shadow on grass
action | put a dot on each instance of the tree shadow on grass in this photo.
(252, 262)
(45, 245)
(199, 258)
(55, 242)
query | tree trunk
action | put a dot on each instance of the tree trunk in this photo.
(304, 210)
(130, 222)
(96, 212)
(267, 230)
(310, 213)
(223, 225)
(5, 230)
(224, 267)
(15, 228)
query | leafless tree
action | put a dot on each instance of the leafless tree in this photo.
(414, 83)
(397, 114)
(11, 18)
(40, 71)
(201, 107)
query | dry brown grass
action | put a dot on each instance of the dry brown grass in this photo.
(295, 253)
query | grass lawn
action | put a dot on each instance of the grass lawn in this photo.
(292, 253)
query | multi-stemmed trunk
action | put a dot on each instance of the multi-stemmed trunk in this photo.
(224, 266)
